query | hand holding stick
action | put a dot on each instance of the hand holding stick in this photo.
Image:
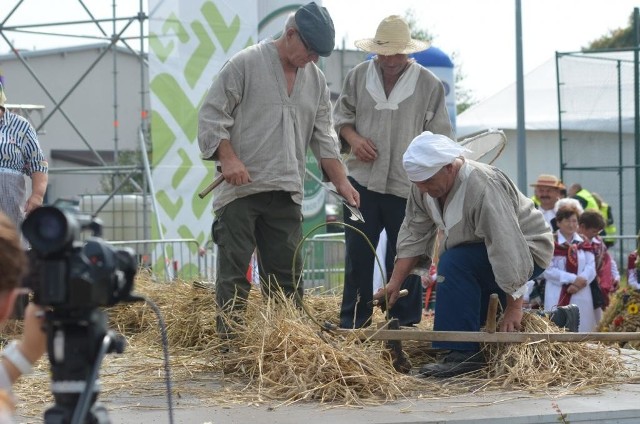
(208, 189)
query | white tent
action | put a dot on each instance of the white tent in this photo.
(596, 97)
(588, 90)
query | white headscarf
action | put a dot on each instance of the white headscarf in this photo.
(428, 153)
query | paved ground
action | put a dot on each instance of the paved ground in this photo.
(620, 405)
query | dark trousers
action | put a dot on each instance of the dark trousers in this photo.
(379, 211)
(270, 222)
(466, 281)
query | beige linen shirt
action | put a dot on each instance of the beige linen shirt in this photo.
(483, 206)
(390, 130)
(269, 130)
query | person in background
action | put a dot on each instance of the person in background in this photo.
(18, 357)
(632, 270)
(385, 102)
(572, 270)
(20, 155)
(610, 227)
(583, 196)
(268, 104)
(547, 191)
(494, 241)
(590, 224)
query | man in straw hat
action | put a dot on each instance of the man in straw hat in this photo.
(20, 155)
(384, 104)
(494, 241)
(547, 191)
(267, 105)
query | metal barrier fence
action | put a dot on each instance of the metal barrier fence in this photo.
(323, 259)
(323, 262)
(167, 259)
(210, 261)
(620, 251)
(323, 265)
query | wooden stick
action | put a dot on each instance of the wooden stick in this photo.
(492, 313)
(401, 293)
(484, 337)
(208, 189)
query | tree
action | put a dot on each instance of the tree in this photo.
(464, 95)
(615, 39)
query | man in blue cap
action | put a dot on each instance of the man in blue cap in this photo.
(266, 107)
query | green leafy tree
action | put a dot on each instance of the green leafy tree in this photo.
(615, 39)
(464, 96)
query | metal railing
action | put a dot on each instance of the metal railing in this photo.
(167, 259)
(323, 262)
(323, 266)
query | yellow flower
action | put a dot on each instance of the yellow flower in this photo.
(633, 308)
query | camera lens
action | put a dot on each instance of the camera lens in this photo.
(50, 227)
(49, 230)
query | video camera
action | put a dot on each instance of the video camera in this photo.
(67, 273)
(74, 279)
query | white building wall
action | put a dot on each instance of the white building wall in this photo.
(90, 106)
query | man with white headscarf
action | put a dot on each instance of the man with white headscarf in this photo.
(495, 240)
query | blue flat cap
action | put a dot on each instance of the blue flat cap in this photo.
(316, 28)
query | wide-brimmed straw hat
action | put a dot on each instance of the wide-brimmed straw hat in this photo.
(392, 37)
(546, 180)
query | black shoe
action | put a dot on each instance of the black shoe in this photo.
(455, 363)
(567, 317)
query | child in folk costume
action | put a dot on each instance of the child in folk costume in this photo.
(590, 224)
(572, 269)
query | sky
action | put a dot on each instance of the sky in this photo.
(481, 33)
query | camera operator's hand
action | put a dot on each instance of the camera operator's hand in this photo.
(34, 341)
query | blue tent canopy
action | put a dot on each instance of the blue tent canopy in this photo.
(433, 57)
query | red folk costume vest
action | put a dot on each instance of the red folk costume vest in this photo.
(570, 251)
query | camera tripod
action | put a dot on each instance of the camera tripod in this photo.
(77, 341)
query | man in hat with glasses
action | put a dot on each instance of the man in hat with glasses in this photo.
(384, 104)
(268, 104)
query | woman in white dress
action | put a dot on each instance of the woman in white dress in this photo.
(571, 270)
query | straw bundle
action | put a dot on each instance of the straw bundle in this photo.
(541, 365)
(289, 358)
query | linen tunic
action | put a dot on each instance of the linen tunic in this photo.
(390, 130)
(556, 275)
(483, 206)
(269, 130)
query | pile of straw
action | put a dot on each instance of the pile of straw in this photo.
(541, 365)
(281, 355)
(623, 314)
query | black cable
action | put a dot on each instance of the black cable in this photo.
(165, 350)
